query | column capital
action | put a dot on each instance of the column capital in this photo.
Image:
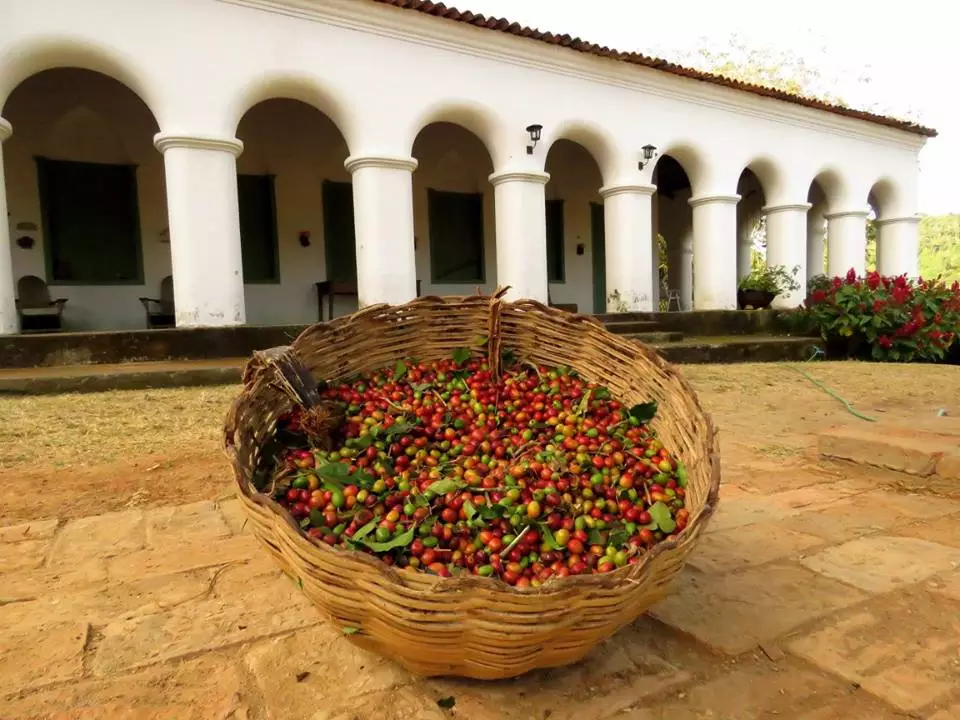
(788, 207)
(847, 213)
(906, 219)
(627, 189)
(526, 176)
(164, 141)
(385, 162)
(710, 199)
(6, 129)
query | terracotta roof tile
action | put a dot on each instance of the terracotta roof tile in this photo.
(442, 11)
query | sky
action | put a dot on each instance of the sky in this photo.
(898, 58)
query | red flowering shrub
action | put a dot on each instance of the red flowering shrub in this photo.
(885, 318)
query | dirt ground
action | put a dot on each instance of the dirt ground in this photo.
(129, 587)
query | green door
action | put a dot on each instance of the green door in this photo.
(338, 232)
(598, 245)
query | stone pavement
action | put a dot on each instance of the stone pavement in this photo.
(814, 596)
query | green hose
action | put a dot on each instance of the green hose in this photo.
(832, 394)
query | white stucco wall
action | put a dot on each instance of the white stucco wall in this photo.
(382, 75)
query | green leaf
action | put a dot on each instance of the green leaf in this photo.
(548, 537)
(470, 510)
(362, 532)
(681, 475)
(602, 393)
(447, 702)
(363, 479)
(618, 538)
(461, 355)
(421, 387)
(333, 471)
(350, 630)
(364, 441)
(508, 357)
(584, 403)
(594, 537)
(488, 512)
(299, 582)
(401, 427)
(662, 517)
(442, 487)
(481, 340)
(399, 370)
(402, 540)
(305, 522)
(644, 412)
(316, 519)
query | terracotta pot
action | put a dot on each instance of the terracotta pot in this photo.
(757, 299)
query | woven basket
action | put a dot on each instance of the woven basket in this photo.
(470, 626)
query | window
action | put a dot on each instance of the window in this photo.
(555, 269)
(258, 229)
(456, 237)
(91, 222)
(339, 234)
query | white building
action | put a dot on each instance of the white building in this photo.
(384, 144)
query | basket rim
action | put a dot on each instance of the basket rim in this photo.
(616, 578)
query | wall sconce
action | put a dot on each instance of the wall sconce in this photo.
(534, 131)
(649, 153)
(304, 238)
(25, 242)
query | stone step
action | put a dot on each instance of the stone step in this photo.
(656, 338)
(630, 327)
(227, 371)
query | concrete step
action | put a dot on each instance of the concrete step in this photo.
(227, 371)
(656, 338)
(630, 327)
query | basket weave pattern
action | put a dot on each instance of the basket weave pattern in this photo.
(470, 626)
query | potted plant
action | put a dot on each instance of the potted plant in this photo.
(758, 289)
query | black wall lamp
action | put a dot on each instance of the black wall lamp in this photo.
(534, 131)
(649, 153)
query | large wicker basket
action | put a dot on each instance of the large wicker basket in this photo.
(471, 626)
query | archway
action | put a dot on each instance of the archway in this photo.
(674, 232)
(576, 261)
(453, 211)
(751, 223)
(296, 215)
(85, 193)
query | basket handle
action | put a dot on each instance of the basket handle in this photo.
(280, 366)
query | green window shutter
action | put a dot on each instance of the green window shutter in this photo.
(456, 237)
(91, 222)
(258, 229)
(339, 232)
(555, 233)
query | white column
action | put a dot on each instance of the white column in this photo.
(816, 228)
(686, 271)
(787, 246)
(847, 242)
(383, 217)
(201, 178)
(898, 247)
(714, 251)
(521, 225)
(9, 322)
(628, 227)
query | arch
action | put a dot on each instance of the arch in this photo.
(596, 142)
(769, 176)
(292, 86)
(833, 186)
(482, 123)
(691, 160)
(885, 196)
(27, 59)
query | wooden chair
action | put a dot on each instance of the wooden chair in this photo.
(160, 311)
(37, 311)
(330, 289)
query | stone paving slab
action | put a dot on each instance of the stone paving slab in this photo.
(181, 558)
(734, 613)
(881, 564)
(749, 546)
(208, 688)
(906, 652)
(36, 530)
(98, 536)
(185, 524)
(24, 555)
(905, 450)
(268, 609)
(35, 659)
(750, 510)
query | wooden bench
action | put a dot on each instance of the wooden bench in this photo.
(330, 290)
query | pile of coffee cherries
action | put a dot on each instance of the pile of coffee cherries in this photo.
(444, 467)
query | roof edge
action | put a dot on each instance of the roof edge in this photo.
(439, 10)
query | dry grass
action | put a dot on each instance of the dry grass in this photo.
(764, 405)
